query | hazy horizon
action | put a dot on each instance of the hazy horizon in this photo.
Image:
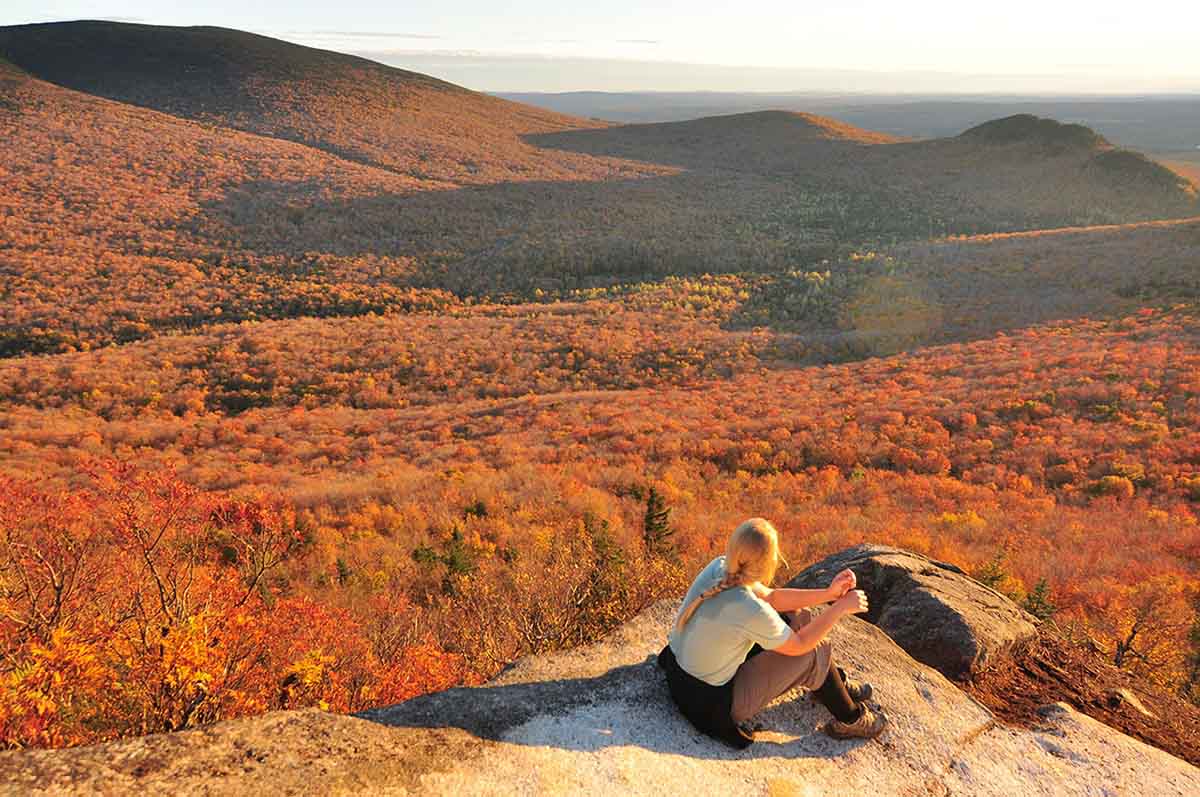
(532, 74)
(666, 45)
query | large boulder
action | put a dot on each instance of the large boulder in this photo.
(939, 615)
(598, 720)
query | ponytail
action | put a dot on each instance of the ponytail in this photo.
(751, 556)
(731, 580)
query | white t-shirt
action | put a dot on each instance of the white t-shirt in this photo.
(720, 633)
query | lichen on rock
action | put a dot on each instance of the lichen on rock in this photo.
(939, 615)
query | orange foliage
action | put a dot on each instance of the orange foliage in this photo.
(141, 606)
(1071, 447)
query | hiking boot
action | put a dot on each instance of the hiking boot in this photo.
(859, 692)
(867, 726)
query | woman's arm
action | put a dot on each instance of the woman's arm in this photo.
(809, 636)
(790, 600)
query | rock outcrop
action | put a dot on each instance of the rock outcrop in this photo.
(938, 614)
(598, 720)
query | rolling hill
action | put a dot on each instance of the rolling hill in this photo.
(764, 142)
(357, 109)
(1020, 168)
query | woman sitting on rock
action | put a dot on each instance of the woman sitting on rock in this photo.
(734, 649)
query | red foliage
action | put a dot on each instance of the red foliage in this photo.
(140, 605)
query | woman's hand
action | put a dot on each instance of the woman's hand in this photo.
(808, 636)
(842, 583)
(853, 602)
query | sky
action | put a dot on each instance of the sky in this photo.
(1043, 46)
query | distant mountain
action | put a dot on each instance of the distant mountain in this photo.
(765, 142)
(1021, 171)
(1027, 128)
(1149, 123)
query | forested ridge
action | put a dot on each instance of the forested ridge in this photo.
(313, 394)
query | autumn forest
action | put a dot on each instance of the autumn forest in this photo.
(328, 384)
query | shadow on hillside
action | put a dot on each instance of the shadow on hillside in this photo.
(777, 143)
(552, 235)
(764, 196)
(626, 706)
(529, 240)
(517, 237)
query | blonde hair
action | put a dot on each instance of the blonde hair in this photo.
(751, 556)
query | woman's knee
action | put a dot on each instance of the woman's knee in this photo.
(825, 654)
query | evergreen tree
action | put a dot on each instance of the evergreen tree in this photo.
(657, 531)
(1038, 601)
(456, 556)
(607, 589)
(994, 573)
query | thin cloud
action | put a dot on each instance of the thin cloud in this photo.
(638, 41)
(524, 40)
(363, 34)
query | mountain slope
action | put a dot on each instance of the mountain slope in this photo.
(358, 109)
(100, 206)
(128, 220)
(1186, 165)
